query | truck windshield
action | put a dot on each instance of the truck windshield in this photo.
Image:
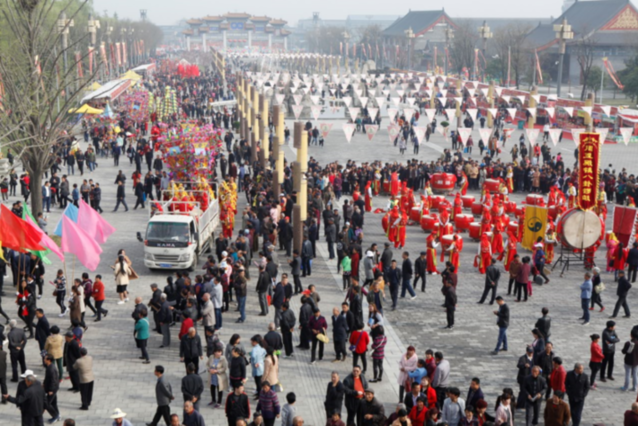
(167, 231)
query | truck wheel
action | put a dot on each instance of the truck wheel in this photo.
(195, 263)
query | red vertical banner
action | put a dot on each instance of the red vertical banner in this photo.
(90, 60)
(589, 162)
(435, 55)
(78, 61)
(124, 52)
(113, 57)
(118, 48)
(105, 60)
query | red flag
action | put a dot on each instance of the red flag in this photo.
(15, 234)
(612, 74)
(539, 72)
(104, 58)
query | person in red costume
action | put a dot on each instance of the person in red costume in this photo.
(552, 198)
(497, 241)
(454, 251)
(445, 225)
(457, 207)
(571, 195)
(368, 196)
(425, 205)
(484, 256)
(403, 223)
(356, 194)
(486, 221)
(620, 259)
(510, 250)
(394, 184)
(431, 243)
(385, 222)
(393, 224)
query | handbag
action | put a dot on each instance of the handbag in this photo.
(600, 288)
(353, 347)
(323, 338)
(55, 292)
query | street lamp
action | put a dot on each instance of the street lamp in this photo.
(449, 35)
(346, 37)
(409, 35)
(485, 34)
(563, 32)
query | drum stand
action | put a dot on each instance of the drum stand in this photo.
(568, 257)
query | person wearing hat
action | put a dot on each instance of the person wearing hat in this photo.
(524, 365)
(118, 418)
(71, 355)
(30, 400)
(372, 411)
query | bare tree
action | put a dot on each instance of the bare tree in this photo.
(325, 40)
(510, 42)
(463, 45)
(38, 88)
(584, 50)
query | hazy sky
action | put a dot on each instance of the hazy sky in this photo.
(167, 12)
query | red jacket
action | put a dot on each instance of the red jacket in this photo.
(186, 324)
(557, 379)
(98, 291)
(362, 346)
(418, 419)
(596, 352)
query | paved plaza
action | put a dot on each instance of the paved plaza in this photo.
(123, 381)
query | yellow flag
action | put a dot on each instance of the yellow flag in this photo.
(534, 225)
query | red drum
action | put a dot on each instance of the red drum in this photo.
(552, 212)
(386, 186)
(435, 200)
(463, 221)
(446, 241)
(428, 222)
(467, 200)
(442, 182)
(477, 208)
(519, 212)
(534, 200)
(489, 235)
(415, 214)
(491, 185)
(444, 205)
(475, 231)
(607, 236)
(509, 207)
(579, 229)
(513, 227)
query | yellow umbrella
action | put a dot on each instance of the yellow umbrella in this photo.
(94, 86)
(130, 75)
(85, 109)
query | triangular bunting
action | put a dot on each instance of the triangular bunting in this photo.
(512, 112)
(603, 133)
(606, 109)
(550, 111)
(569, 111)
(419, 132)
(430, 112)
(364, 101)
(348, 130)
(451, 113)
(325, 128)
(354, 112)
(347, 100)
(554, 135)
(372, 112)
(316, 111)
(408, 112)
(393, 131)
(371, 130)
(625, 133)
(493, 112)
(392, 112)
(464, 133)
(532, 135)
(297, 99)
(485, 135)
(576, 135)
(296, 109)
(472, 113)
(380, 101)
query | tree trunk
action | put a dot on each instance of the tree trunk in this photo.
(35, 186)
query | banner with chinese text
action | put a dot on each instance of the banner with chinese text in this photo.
(588, 161)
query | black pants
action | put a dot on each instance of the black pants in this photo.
(194, 361)
(216, 395)
(298, 286)
(631, 273)
(316, 342)
(340, 349)
(52, 405)
(74, 375)
(86, 393)
(595, 367)
(88, 304)
(531, 411)
(520, 289)
(510, 284)
(287, 338)
(305, 265)
(142, 345)
(304, 338)
(99, 309)
(162, 412)
(576, 408)
(440, 396)
(596, 300)
(17, 358)
(423, 280)
(486, 291)
(622, 301)
(364, 361)
(353, 412)
(258, 383)
(59, 299)
(450, 316)
(377, 368)
(139, 202)
(608, 365)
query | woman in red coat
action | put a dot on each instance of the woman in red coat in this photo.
(429, 392)
(360, 340)
(418, 412)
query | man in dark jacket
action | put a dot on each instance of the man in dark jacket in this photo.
(534, 386)
(622, 291)
(71, 355)
(632, 261)
(139, 193)
(190, 349)
(278, 297)
(386, 259)
(273, 339)
(353, 397)
(305, 313)
(420, 271)
(544, 324)
(237, 405)
(3, 372)
(356, 309)
(263, 283)
(372, 411)
(545, 361)
(17, 341)
(524, 365)
(406, 276)
(450, 304)
(577, 387)
(339, 333)
(285, 235)
(331, 237)
(165, 318)
(394, 279)
(156, 304)
(31, 402)
(287, 323)
(492, 275)
(192, 386)
(121, 196)
(503, 321)
(51, 386)
(609, 339)
(163, 396)
(41, 329)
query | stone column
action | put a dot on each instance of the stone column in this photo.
(490, 99)
(297, 228)
(589, 102)
(459, 93)
(224, 39)
(204, 42)
(532, 104)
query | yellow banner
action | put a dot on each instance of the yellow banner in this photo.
(534, 225)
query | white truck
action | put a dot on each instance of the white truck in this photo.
(175, 238)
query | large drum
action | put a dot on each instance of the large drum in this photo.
(462, 221)
(428, 222)
(477, 208)
(491, 185)
(386, 186)
(435, 200)
(442, 182)
(534, 200)
(579, 229)
(467, 200)
(475, 231)
(444, 205)
(608, 236)
(509, 207)
(415, 214)
(519, 211)
(552, 212)
(513, 227)
(446, 242)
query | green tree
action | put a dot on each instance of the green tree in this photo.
(629, 78)
(593, 79)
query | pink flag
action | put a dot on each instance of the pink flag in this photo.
(93, 223)
(46, 241)
(76, 241)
